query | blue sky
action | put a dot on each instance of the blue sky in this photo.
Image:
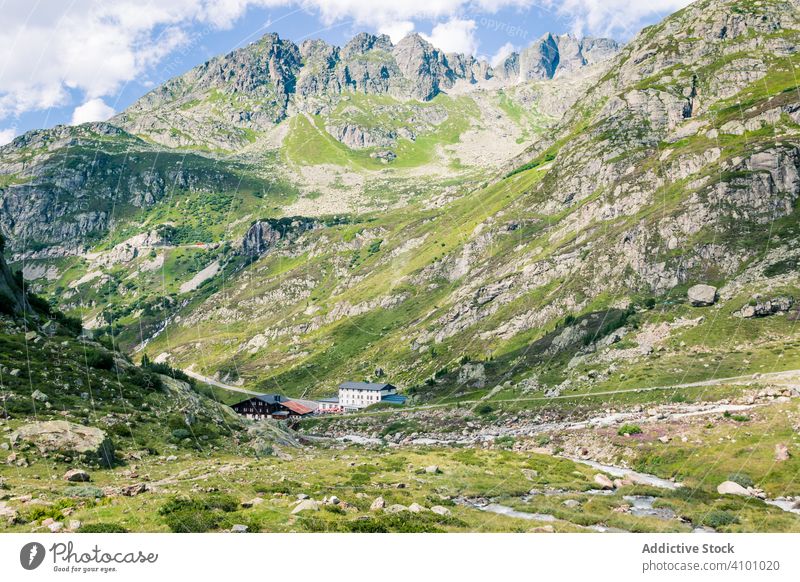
(84, 60)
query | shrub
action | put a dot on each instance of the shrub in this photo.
(484, 409)
(180, 434)
(736, 417)
(505, 442)
(100, 360)
(629, 429)
(742, 479)
(89, 491)
(198, 514)
(284, 487)
(146, 379)
(6, 303)
(718, 518)
(102, 528)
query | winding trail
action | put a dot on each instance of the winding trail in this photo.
(790, 377)
(218, 384)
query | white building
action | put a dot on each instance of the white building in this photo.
(355, 395)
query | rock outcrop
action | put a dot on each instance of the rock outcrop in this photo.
(702, 295)
(264, 235)
(66, 439)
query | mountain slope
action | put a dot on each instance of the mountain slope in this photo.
(663, 175)
(677, 164)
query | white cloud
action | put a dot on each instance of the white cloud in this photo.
(55, 49)
(95, 47)
(397, 30)
(621, 18)
(93, 110)
(501, 54)
(6, 135)
(454, 36)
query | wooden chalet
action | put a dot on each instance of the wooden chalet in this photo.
(274, 406)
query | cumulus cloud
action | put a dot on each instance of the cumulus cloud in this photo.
(6, 135)
(621, 18)
(501, 54)
(92, 48)
(397, 30)
(454, 36)
(93, 110)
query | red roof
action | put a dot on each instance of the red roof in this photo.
(296, 407)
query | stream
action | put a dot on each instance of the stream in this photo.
(635, 476)
(641, 505)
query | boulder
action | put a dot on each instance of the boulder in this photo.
(39, 396)
(306, 505)
(732, 488)
(432, 469)
(440, 510)
(702, 295)
(378, 504)
(572, 503)
(763, 308)
(782, 452)
(67, 438)
(77, 476)
(416, 508)
(396, 508)
(239, 528)
(7, 514)
(133, 490)
(333, 500)
(603, 481)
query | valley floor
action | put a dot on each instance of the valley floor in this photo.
(513, 477)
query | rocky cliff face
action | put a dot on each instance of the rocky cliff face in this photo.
(11, 296)
(552, 56)
(679, 165)
(262, 83)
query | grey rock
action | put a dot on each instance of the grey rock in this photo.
(306, 505)
(77, 475)
(702, 295)
(396, 508)
(67, 438)
(39, 396)
(732, 488)
(603, 481)
(764, 308)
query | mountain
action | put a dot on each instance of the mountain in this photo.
(365, 228)
(266, 119)
(261, 84)
(587, 254)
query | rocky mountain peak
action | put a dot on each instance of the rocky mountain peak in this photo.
(556, 55)
(364, 42)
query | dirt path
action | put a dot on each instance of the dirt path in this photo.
(218, 384)
(788, 377)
